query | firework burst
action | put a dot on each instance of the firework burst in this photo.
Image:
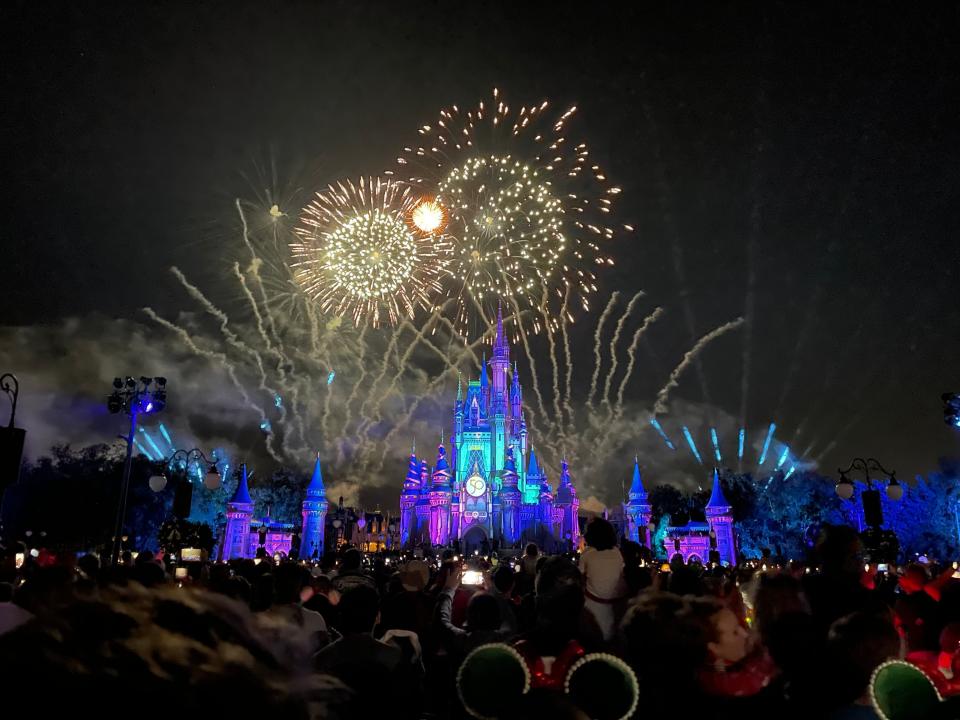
(525, 208)
(355, 253)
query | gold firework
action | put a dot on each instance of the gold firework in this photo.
(354, 253)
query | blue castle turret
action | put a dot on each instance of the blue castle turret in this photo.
(719, 514)
(236, 537)
(314, 512)
(637, 509)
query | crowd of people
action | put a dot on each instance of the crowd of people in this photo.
(443, 636)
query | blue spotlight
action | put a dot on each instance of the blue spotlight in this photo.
(716, 444)
(766, 443)
(265, 426)
(151, 443)
(277, 400)
(693, 445)
(166, 437)
(743, 436)
(144, 451)
(330, 377)
(783, 457)
(790, 472)
(659, 429)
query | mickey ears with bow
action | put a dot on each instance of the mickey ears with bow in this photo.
(901, 691)
(494, 678)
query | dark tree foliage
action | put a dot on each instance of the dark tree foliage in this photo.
(71, 497)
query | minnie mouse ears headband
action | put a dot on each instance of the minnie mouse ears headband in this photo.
(494, 677)
(901, 691)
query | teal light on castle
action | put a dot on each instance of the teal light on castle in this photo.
(497, 492)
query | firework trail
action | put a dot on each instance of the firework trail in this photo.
(596, 347)
(631, 356)
(568, 379)
(221, 359)
(661, 403)
(605, 398)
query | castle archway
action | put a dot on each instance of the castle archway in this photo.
(474, 539)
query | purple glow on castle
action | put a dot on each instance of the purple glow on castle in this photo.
(486, 493)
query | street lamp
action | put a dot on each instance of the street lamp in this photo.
(845, 486)
(133, 397)
(180, 461)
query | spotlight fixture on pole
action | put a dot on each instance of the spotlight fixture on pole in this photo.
(134, 398)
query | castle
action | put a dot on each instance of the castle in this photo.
(488, 493)
(695, 541)
(243, 535)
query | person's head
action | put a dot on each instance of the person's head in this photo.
(189, 652)
(6, 592)
(352, 560)
(555, 572)
(359, 609)
(288, 581)
(662, 642)
(856, 645)
(914, 578)
(414, 576)
(777, 595)
(145, 556)
(727, 641)
(839, 551)
(531, 550)
(600, 534)
(89, 565)
(483, 613)
(503, 579)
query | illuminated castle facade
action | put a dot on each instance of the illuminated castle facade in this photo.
(693, 541)
(491, 490)
(244, 536)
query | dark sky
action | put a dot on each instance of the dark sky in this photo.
(810, 153)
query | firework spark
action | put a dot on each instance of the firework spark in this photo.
(354, 253)
(526, 207)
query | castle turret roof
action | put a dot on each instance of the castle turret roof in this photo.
(717, 499)
(242, 494)
(316, 488)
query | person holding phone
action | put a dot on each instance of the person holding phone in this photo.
(483, 617)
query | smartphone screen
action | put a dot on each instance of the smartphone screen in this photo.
(180, 573)
(882, 567)
(471, 577)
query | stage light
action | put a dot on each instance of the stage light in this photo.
(114, 403)
(117, 383)
(131, 383)
(161, 381)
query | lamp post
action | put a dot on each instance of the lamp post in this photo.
(870, 498)
(146, 396)
(211, 479)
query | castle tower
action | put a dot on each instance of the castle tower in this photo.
(314, 511)
(423, 505)
(484, 385)
(408, 500)
(239, 513)
(440, 500)
(537, 479)
(567, 506)
(510, 500)
(720, 518)
(637, 509)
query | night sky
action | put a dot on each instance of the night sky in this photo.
(794, 165)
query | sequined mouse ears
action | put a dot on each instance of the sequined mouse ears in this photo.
(494, 678)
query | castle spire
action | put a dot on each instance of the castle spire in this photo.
(316, 487)
(242, 495)
(483, 371)
(533, 468)
(637, 491)
(717, 499)
(501, 350)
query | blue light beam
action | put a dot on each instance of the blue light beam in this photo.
(330, 377)
(790, 472)
(166, 437)
(659, 429)
(144, 451)
(766, 443)
(692, 444)
(151, 443)
(743, 437)
(783, 457)
(716, 444)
